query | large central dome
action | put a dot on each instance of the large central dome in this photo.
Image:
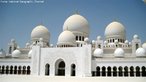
(115, 30)
(76, 23)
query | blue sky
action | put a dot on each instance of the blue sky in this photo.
(17, 19)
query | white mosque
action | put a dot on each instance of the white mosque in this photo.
(75, 54)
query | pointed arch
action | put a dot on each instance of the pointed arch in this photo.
(19, 70)
(143, 68)
(7, 69)
(15, 69)
(11, 69)
(28, 70)
(47, 69)
(97, 71)
(0, 70)
(108, 71)
(24, 70)
(126, 71)
(120, 71)
(3, 69)
(103, 71)
(131, 71)
(73, 69)
(137, 71)
(114, 71)
(60, 67)
(137, 46)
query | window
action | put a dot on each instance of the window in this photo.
(60, 68)
(28, 70)
(93, 73)
(19, 70)
(137, 71)
(99, 46)
(114, 71)
(97, 71)
(137, 46)
(47, 69)
(83, 38)
(80, 38)
(15, 70)
(126, 71)
(3, 69)
(118, 40)
(76, 37)
(120, 71)
(73, 70)
(7, 69)
(131, 71)
(113, 40)
(103, 71)
(109, 71)
(24, 70)
(110, 40)
(143, 71)
(11, 69)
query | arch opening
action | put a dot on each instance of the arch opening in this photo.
(60, 68)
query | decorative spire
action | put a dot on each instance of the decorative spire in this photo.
(41, 23)
(115, 19)
(76, 12)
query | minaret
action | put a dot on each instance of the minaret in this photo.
(11, 46)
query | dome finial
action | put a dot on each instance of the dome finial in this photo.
(77, 12)
(116, 19)
(41, 23)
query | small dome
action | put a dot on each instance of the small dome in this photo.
(40, 32)
(126, 41)
(144, 46)
(99, 38)
(115, 30)
(66, 37)
(30, 53)
(119, 52)
(76, 23)
(13, 40)
(93, 41)
(129, 43)
(27, 44)
(140, 52)
(16, 53)
(116, 41)
(51, 45)
(2, 53)
(98, 52)
(105, 42)
(135, 36)
(86, 40)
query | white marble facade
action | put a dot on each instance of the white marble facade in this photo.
(75, 54)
